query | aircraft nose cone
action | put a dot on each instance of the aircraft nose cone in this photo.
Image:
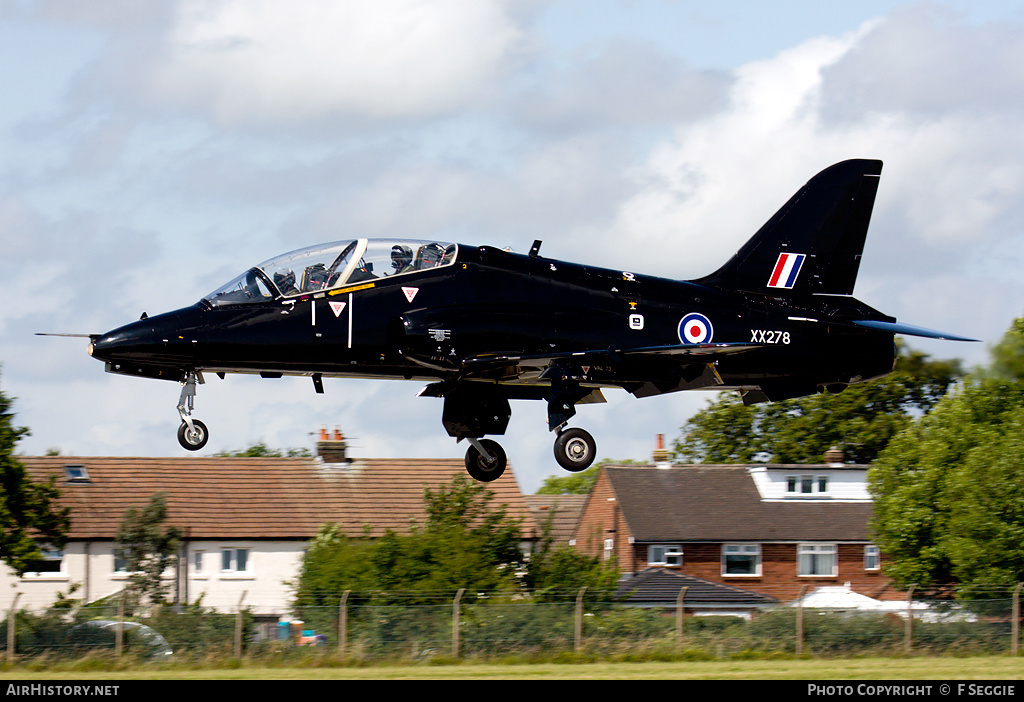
(163, 340)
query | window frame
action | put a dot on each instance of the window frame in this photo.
(668, 551)
(815, 550)
(872, 554)
(819, 485)
(49, 555)
(744, 546)
(232, 561)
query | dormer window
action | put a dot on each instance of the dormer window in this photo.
(806, 485)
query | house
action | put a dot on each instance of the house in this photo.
(246, 521)
(775, 529)
(660, 588)
(556, 515)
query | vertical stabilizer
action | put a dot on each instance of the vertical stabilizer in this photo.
(813, 244)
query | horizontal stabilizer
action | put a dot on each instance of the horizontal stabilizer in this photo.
(910, 329)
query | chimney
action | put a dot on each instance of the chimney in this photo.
(834, 456)
(660, 454)
(331, 447)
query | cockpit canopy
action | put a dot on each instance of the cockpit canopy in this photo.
(333, 265)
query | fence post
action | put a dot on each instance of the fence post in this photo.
(343, 624)
(1015, 621)
(578, 644)
(456, 613)
(680, 598)
(119, 631)
(10, 627)
(238, 626)
(800, 621)
(909, 630)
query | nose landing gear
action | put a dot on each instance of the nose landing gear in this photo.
(192, 434)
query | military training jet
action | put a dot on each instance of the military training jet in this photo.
(482, 326)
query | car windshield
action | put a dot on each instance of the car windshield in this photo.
(332, 265)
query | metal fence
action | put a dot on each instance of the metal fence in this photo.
(366, 626)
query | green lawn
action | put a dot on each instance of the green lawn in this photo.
(938, 669)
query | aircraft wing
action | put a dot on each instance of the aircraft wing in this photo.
(701, 353)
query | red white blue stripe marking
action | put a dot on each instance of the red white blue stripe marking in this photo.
(787, 268)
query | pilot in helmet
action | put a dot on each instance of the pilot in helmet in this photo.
(401, 258)
(285, 282)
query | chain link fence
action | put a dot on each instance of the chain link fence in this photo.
(419, 626)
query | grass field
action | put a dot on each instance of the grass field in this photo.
(937, 669)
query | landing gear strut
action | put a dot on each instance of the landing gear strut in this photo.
(192, 434)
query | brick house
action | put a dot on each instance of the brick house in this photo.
(776, 529)
(246, 521)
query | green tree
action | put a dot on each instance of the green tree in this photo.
(555, 570)
(573, 483)
(147, 548)
(466, 541)
(948, 490)
(862, 419)
(29, 514)
(261, 450)
(579, 483)
(334, 563)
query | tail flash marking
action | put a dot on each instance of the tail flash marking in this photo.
(787, 268)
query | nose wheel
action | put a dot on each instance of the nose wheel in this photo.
(193, 437)
(192, 434)
(575, 449)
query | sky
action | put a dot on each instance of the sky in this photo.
(150, 152)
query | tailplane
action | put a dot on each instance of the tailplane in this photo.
(813, 244)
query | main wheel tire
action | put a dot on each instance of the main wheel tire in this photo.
(575, 450)
(479, 468)
(195, 439)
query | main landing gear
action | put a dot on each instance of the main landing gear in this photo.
(192, 434)
(471, 412)
(575, 450)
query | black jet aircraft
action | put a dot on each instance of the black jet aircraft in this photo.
(483, 326)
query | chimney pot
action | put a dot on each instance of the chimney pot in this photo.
(835, 456)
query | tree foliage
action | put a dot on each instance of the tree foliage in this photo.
(261, 450)
(29, 514)
(148, 548)
(467, 541)
(862, 419)
(949, 491)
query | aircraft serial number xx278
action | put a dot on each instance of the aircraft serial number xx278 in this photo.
(484, 326)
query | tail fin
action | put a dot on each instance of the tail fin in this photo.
(813, 244)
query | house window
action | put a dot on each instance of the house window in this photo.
(120, 565)
(816, 559)
(670, 555)
(798, 485)
(197, 562)
(234, 560)
(76, 474)
(50, 564)
(741, 559)
(872, 557)
(609, 549)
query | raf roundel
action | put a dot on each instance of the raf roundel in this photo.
(695, 328)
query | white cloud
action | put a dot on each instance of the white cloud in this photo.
(256, 60)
